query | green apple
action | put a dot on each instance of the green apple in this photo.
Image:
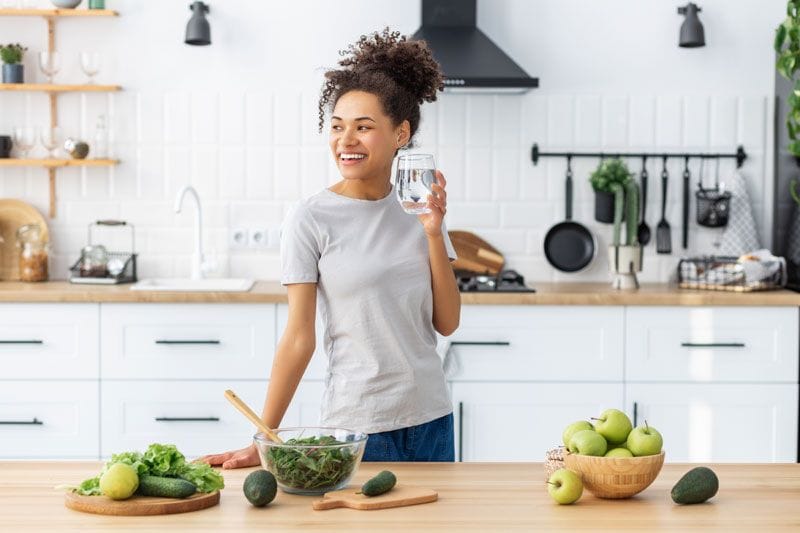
(588, 442)
(645, 441)
(619, 452)
(614, 425)
(573, 428)
(565, 486)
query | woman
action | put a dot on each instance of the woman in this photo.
(381, 278)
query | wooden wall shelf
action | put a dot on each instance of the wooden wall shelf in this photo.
(49, 13)
(57, 163)
(57, 88)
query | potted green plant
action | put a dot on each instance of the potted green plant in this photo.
(11, 54)
(787, 46)
(625, 260)
(608, 174)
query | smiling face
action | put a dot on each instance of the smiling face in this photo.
(363, 139)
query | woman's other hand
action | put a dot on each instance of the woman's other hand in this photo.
(233, 459)
(437, 203)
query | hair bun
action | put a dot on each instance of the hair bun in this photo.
(409, 63)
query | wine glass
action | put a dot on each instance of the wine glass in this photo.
(49, 64)
(51, 139)
(90, 63)
(24, 139)
(413, 180)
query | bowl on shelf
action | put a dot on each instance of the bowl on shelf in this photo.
(65, 4)
(615, 477)
(312, 460)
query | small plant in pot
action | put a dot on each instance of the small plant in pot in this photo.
(608, 174)
(625, 260)
(11, 54)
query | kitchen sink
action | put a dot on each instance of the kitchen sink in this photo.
(187, 284)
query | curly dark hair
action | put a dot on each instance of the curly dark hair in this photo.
(401, 73)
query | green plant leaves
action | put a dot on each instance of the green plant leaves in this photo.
(787, 47)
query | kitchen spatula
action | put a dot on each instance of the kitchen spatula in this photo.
(251, 416)
(663, 231)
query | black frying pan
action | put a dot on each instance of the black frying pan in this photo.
(569, 246)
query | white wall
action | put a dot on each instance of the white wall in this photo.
(238, 119)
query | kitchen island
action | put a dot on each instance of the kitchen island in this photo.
(472, 497)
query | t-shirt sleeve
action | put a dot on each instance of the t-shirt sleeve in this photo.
(300, 250)
(451, 252)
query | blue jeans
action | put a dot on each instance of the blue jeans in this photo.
(431, 441)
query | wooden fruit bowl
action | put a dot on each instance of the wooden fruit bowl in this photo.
(615, 477)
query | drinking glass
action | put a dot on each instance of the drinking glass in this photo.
(90, 63)
(51, 139)
(413, 180)
(24, 139)
(49, 64)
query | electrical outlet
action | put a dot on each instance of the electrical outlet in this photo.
(259, 238)
(239, 238)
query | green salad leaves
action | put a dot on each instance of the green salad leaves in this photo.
(311, 467)
(159, 460)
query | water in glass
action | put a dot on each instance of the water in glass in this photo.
(415, 175)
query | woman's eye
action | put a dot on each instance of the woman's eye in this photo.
(336, 128)
(363, 128)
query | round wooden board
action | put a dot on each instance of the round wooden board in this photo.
(13, 214)
(140, 505)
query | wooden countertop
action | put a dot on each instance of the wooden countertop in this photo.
(472, 497)
(273, 292)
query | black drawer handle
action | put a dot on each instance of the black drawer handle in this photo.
(187, 419)
(167, 341)
(480, 343)
(34, 422)
(22, 341)
(712, 345)
(635, 414)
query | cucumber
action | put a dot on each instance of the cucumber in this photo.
(696, 486)
(167, 487)
(380, 484)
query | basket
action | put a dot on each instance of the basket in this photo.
(127, 273)
(554, 460)
(743, 274)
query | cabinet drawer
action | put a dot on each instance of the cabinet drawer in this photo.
(318, 366)
(49, 419)
(194, 415)
(150, 341)
(40, 341)
(526, 343)
(706, 344)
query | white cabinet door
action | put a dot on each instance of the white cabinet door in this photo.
(318, 366)
(712, 344)
(196, 341)
(49, 341)
(521, 421)
(720, 422)
(49, 419)
(537, 343)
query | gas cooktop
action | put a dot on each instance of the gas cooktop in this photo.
(505, 281)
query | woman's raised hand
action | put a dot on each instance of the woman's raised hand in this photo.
(437, 203)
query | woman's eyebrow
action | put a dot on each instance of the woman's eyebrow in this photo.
(334, 117)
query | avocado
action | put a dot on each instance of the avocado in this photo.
(260, 487)
(696, 486)
(167, 487)
(381, 483)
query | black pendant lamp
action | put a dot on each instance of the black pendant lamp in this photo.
(198, 32)
(692, 34)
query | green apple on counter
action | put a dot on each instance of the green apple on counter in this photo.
(588, 442)
(573, 428)
(614, 425)
(644, 440)
(565, 486)
(618, 452)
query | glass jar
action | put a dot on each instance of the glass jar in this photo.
(94, 261)
(33, 253)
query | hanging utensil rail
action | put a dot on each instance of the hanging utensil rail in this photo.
(740, 155)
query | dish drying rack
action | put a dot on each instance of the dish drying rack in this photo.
(128, 272)
(734, 274)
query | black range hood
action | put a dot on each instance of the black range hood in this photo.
(469, 59)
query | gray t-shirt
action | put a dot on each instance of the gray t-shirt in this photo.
(370, 262)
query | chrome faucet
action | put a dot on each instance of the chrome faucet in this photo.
(198, 260)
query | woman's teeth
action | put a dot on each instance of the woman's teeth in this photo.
(353, 156)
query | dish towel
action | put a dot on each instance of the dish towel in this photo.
(740, 234)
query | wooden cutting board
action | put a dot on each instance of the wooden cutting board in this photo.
(140, 505)
(13, 214)
(399, 496)
(474, 254)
